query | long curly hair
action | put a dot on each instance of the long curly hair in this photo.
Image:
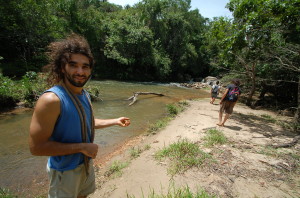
(59, 54)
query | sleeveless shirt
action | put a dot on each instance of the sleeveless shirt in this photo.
(68, 128)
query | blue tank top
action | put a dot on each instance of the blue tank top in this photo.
(68, 129)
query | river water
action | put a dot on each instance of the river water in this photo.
(25, 174)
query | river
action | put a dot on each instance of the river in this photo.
(25, 175)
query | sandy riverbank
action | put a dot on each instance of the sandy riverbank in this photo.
(243, 167)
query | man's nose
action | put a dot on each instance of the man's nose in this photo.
(79, 70)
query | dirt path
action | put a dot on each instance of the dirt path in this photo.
(244, 167)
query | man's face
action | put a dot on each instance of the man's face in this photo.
(78, 70)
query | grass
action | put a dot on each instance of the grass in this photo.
(293, 159)
(286, 125)
(5, 193)
(115, 170)
(214, 137)
(135, 152)
(182, 155)
(183, 192)
(268, 118)
(172, 111)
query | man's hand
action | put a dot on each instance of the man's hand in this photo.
(123, 121)
(90, 150)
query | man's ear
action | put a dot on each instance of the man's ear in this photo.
(63, 69)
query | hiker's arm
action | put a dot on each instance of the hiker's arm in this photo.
(46, 112)
(102, 123)
(224, 95)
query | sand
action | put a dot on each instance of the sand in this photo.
(243, 167)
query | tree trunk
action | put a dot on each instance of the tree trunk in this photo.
(253, 85)
(297, 114)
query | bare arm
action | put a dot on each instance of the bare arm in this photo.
(42, 124)
(224, 95)
(102, 123)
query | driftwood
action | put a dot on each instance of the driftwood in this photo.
(290, 144)
(135, 95)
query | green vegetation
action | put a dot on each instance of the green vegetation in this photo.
(184, 192)
(5, 193)
(27, 90)
(291, 158)
(163, 40)
(268, 118)
(135, 152)
(115, 170)
(173, 110)
(182, 155)
(284, 124)
(214, 137)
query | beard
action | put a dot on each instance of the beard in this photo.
(74, 83)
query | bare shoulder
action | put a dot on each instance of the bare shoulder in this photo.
(48, 101)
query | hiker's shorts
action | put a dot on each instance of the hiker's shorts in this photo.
(214, 94)
(71, 183)
(227, 107)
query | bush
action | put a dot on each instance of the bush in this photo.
(8, 93)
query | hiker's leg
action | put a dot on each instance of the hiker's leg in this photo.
(222, 106)
(213, 100)
(220, 118)
(225, 119)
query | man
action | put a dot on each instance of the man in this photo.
(62, 124)
(214, 92)
(228, 101)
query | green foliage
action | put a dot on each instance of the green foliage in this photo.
(283, 123)
(160, 124)
(268, 118)
(115, 170)
(214, 137)
(135, 152)
(94, 92)
(8, 93)
(153, 40)
(174, 109)
(183, 155)
(32, 86)
(26, 90)
(5, 193)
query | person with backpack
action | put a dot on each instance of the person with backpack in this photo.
(214, 92)
(228, 101)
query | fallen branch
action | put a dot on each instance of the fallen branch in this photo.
(135, 95)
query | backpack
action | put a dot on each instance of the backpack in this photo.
(233, 94)
(215, 88)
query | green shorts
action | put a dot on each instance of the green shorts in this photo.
(214, 94)
(71, 183)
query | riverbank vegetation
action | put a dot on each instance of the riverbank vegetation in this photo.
(159, 40)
